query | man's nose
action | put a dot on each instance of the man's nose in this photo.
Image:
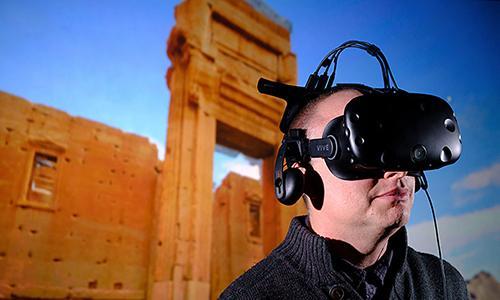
(395, 175)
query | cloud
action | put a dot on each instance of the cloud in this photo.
(456, 231)
(461, 198)
(225, 162)
(226, 151)
(480, 179)
(160, 146)
(463, 257)
(470, 242)
(244, 168)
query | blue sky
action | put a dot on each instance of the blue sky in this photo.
(106, 61)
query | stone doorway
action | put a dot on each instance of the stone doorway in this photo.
(218, 49)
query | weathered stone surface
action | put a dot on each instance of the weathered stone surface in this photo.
(85, 211)
(237, 230)
(483, 286)
(218, 49)
(76, 204)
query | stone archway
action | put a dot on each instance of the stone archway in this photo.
(218, 49)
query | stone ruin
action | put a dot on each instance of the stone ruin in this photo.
(89, 211)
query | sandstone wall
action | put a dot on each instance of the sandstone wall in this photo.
(218, 50)
(76, 204)
(237, 230)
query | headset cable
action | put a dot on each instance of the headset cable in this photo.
(424, 185)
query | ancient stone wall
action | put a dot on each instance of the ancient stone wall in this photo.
(76, 204)
(218, 49)
(237, 230)
(79, 215)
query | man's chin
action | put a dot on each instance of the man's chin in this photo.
(396, 218)
(400, 221)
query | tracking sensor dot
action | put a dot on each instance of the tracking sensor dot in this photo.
(382, 158)
(445, 154)
(422, 107)
(354, 117)
(448, 123)
(419, 153)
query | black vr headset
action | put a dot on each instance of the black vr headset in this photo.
(384, 129)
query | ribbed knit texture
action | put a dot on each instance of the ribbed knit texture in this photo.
(301, 268)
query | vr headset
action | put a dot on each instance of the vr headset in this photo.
(384, 129)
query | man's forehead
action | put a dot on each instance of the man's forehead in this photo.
(331, 107)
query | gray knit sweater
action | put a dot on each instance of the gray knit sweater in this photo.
(301, 268)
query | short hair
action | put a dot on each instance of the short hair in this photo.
(303, 117)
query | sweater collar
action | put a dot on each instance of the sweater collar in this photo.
(310, 255)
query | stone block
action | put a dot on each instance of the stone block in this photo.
(93, 240)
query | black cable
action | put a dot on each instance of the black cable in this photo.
(336, 51)
(389, 70)
(332, 57)
(424, 187)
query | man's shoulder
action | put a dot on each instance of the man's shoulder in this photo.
(271, 278)
(427, 267)
(430, 264)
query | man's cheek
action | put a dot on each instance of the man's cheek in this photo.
(409, 181)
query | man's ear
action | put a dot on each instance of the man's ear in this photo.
(313, 187)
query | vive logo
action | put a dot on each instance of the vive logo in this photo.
(322, 148)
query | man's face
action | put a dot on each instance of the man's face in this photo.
(370, 203)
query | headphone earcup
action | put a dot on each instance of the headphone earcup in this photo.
(294, 186)
(314, 188)
(417, 184)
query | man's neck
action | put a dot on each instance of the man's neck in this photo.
(361, 248)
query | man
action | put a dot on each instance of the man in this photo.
(355, 246)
